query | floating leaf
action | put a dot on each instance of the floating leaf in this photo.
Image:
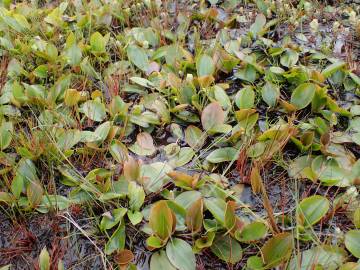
(154, 175)
(217, 208)
(258, 25)
(144, 145)
(136, 196)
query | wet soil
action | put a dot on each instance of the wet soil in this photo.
(22, 240)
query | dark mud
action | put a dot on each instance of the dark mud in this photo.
(22, 240)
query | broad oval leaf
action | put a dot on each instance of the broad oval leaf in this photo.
(222, 155)
(252, 232)
(159, 260)
(205, 65)
(352, 242)
(161, 219)
(180, 254)
(270, 93)
(212, 116)
(277, 249)
(289, 58)
(245, 98)
(94, 110)
(227, 249)
(194, 137)
(312, 209)
(138, 57)
(303, 95)
(194, 216)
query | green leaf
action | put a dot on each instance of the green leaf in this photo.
(49, 202)
(187, 198)
(222, 155)
(44, 259)
(270, 93)
(312, 209)
(142, 82)
(352, 242)
(227, 249)
(245, 98)
(303, 95)
(155, 242)
(159, 260)
(184, 156)
(222, 97)
(161, 220)
(6, 130)
(289, 58)
(112, 218)
(138, 57)
(212, 116)
(320, 257)
(118, 151)
(194, 216)
(248, 73)
(98, 42)
(117, 240)
(135, 217)
(94, 110)
(194, 137)
(332, 68)
(258, 25)
(155, 175)
(73, 53)
(252, 232)
(217, 208)
(277, 249)
(180, 254)
(136, 195)
(34, 192)
(205, 65)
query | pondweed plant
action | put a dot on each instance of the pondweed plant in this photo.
(150, 118)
